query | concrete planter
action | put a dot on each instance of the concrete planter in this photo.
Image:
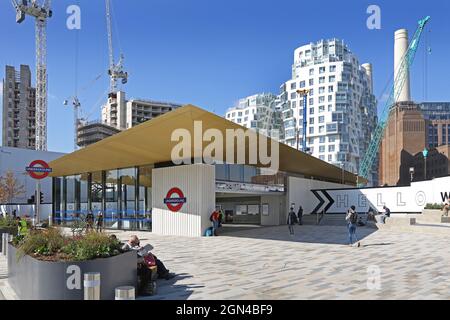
(9, 230)
(34, 279)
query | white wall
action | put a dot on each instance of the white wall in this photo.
(16, 160)
(276, 205)
(410, 199)
(299, 193)
(197, 182)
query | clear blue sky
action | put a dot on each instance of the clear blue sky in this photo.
(212, 52)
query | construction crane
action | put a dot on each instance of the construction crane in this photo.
(399, 81)
(303, 93)
(115, 71)
(41, 13)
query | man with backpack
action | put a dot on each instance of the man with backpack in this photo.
(352, 220)
(291, 220)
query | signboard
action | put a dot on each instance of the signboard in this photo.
(174, 199)
(38, 169)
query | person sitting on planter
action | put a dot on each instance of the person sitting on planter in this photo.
(134, 244)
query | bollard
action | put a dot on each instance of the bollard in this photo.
(4, 243)
(125, 293)
(92, 286)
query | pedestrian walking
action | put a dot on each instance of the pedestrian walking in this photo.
(89, 221)
(445, 209)
(215, 217)
(291, 220)
(100, 222)
(352, 220)
(300, 215)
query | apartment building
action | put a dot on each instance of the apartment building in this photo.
(19, 109)
(341, 108)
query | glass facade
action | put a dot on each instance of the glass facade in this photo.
(123, 195)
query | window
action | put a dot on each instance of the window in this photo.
(311, 82)
(245, 119)
(321, 99)
(331, 148)
(331, 78)
(293, 95)
(322, 157)
(302, 84)
(311, 92)
(233, 114)
(293, 85)
(322, 140)
(322, 70)
(228, 116)
(311, 120)
(293, 104)
(321, 109)
(246, 112)
(311, 110)
(330, 89)
(311, 101)
(321, 149)
(322, 80)
(330, 107)
(330, 98)
(321, 90)
(311, 72)
(239, 114)
(321, 119)
(330, 157)
(332, 68)
(239, 120)
(311, 130)
(321, 129)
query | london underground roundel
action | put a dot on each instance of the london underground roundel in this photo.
(174, 199)
(38, 169)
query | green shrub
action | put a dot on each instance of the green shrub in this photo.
(42, 242)
(435, 206)
(7, 222)
(51, 242)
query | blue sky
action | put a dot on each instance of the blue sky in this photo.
(212, 52)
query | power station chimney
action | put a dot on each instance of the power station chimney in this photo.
(400, 49)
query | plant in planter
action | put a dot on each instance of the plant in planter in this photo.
(434, 206)
(52, 245)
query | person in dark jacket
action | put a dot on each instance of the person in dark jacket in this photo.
(291, 220)
(300, 215)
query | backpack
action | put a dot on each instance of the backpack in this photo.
(353, 217)
(209, 232)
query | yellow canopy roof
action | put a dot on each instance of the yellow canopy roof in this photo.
(150, 143)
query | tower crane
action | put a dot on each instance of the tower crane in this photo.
(41, 13)
(399, 81)
(115, 71)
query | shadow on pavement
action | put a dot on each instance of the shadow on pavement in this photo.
(170, 290)
(318, 234)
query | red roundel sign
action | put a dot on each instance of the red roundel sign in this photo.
(175, 199)
(38, 169)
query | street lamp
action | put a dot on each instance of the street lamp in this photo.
(425, 153)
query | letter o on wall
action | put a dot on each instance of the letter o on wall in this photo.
(421, 198)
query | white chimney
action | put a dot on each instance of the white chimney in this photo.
(400, 49)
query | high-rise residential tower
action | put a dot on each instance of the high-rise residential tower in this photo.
(261, 112)
(19, 109)
(341, 108)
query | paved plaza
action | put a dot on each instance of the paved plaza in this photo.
(315, 263)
